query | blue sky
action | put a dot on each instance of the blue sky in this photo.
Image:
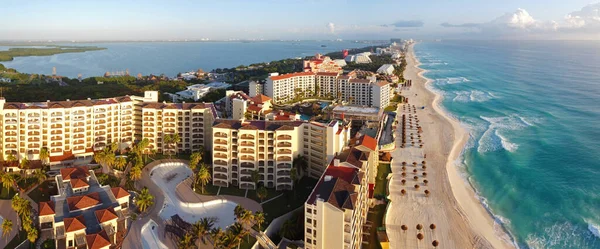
(309, 19)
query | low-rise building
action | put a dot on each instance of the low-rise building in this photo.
(84, 213)
(321, 63)
(387, 69)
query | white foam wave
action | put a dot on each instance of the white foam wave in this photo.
(500, 222)
(594, 228)
(493, 138)
(562, 235)
(472, 96)
(451, 80)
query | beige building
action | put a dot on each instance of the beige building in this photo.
(337, 208)
(84, 214)
(191, 121)
(321, 63)
(241, 147)
(349, 88)
(71, 130)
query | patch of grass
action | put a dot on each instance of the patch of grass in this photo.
(247, 244)
(25, 183)
(7, 194)
(375, 216)
(290, 200)
(271, 192)
(233, 191)
(48, 244)
(391, 108)
(110, 180)
(383, 169)
(42, 192)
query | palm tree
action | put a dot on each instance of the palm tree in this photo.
(294, 177)
(237, 232)
(288, 229)
(7, 226)
(255, 176)
(259, 218)
(187, 242)
(32, 234)
(40, 176)
(11, 157)
(120, 163)
(203, 177)
(44, 155)
(172, 140)
(201, 228)
(238, 211)
(144, 200)
(135, 173)
(262, 193)
(8, 181)
(195, 159)
(24, 164)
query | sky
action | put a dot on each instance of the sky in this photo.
(94, 20)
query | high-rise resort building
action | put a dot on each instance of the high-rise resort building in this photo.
(84, 214)
(241, 147)
(350, 88)
(321, 63)
(336, 210)
(72, 130)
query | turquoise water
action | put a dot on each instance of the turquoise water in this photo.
(170, 58)
(533, 112)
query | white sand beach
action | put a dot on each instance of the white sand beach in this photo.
(460, 219)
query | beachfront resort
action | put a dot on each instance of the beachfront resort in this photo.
(300, 160)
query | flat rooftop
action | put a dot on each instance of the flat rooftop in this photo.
(357, 109)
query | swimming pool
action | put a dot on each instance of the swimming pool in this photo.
(150, 238)
(167, 176)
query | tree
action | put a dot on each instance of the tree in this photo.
(40, 176)
(32, 234)
(262, 193)
(7, 226)
(237, 232)
(195, 159)
(202, 228)
(294, 177)
(44, 155)
(172, 140)
(120, 163)
(187, 242)
(255, 176)
(203, 177)
(288, 229)
(24, 164)
(301, 163)
(246, 218)
(259, 218)
(11, 157)
(135, 173)
(144, 200)
(8, 180)
(238, 211)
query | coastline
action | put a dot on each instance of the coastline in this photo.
(479, 219)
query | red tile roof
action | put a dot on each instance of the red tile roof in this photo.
(67, 155)
(368, 142)
(260, 98)
(290, 75)
(74, 173)
(97, 240)
(79, 183)
(74, 224)
(327, 74)
(339, 190)
(104, 215)
(46, 208)
(83, 202)
(119, 192)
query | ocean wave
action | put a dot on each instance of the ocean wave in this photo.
(500, 222)
(594, 229)
(493, 139)
(451, 80)
(562, 235)
(472, 96)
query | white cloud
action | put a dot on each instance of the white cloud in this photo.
(331, 27)
(587, 17)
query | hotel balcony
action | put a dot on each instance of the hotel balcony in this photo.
(220, 163)
(220, 148)
(218, 141)
(284, 144)
(247, 136)
(220, 155)
(219, 169)
(247, 144)
(284, 166)
(247, 151)
(284, 158)
(247, 158)
(247, 165)
(284, 151)
(220, 176)
(169, 114)
(284, 137)
(220, 134)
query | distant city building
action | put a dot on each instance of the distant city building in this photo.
(5, 80)
(198, 91)
(270, 147)
(256, 88)
(359, 58)
(357, 113)
(84, 213)
(387, 69)
(321, 63)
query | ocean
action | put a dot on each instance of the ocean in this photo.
(532, 109)
(170, 58)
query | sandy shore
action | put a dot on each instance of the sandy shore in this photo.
(461, 221)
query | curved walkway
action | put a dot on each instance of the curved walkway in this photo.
(184, 193)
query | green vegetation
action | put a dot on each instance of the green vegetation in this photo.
(375, 216)
(9, 54)
(390, 108)
(48, 244)
(289, 201)
(259, 71)
(383, 169)
(106, 179)
(340, 55)
(42, 192)
(17, 240)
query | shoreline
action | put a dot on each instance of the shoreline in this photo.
(479, 219)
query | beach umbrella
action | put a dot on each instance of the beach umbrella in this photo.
(415, 163)
(417, 186)
(403, 192)
(432, 226)
(403, 163)
(416, 178)
(415, 171)
(425, 182)
(435, 243)
(403, 168)
(424, 167)
(420, 236)
(403, 174)
(426, 192)
(424, 174)
(404, 228)
(419, 227)
(403, 181)
(423, 162)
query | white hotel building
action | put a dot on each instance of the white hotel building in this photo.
(355, 91)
